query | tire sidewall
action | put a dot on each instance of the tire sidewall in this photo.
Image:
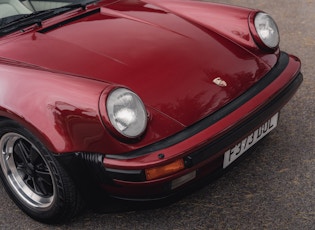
(54, 210)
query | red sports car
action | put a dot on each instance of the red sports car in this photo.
(141, 98)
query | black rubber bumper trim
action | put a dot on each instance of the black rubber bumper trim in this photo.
(242, 130)
(213, 118)
(227, 140)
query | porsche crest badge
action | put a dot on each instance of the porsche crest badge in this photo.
(219, 82)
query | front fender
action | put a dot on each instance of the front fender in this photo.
(62, 111)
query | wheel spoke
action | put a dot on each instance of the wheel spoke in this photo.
(29, 180)
(33, 155)
(36, 187)
(22, 151)
(43, 182)
(41, 187)
(45, 176)
(43, 179)
(27, 170)
(32, 169)
(21, 169)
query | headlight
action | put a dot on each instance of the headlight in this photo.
(126, 112)
(267, 30)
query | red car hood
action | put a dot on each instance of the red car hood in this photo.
(168, 60)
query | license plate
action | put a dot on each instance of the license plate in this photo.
(235, 152)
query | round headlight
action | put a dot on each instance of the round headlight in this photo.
(267, 30)
(126, 112)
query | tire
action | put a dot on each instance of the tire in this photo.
(33, 178)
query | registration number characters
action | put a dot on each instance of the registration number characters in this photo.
(233, 153)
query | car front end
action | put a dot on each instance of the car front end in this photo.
(142, 99)
(204, 149)
(217, 140)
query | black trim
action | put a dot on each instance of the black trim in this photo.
(243, 129)
(88, 168)
(84, 166)
(213, 118)
(126, 175)
(232, 137)
(58, 25)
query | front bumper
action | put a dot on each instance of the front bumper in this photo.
(201, 146)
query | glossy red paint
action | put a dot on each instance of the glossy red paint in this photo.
(55, 80)
(156, 60)
(231, 22)
(195, 142)
(38, 100)
(161, 187)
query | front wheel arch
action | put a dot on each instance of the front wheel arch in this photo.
(33, 178)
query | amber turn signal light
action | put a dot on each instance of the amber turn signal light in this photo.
(157, 172)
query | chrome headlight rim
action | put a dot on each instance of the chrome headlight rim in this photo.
(262, 25)
(126, 115)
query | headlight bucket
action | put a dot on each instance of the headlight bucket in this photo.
(125, 115)
(264, 31)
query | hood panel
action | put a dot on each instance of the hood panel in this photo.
(168, 61)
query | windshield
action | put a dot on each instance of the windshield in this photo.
(22, 11)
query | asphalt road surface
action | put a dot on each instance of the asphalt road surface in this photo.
(273, 188)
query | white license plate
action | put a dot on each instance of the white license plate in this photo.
(235, 152)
